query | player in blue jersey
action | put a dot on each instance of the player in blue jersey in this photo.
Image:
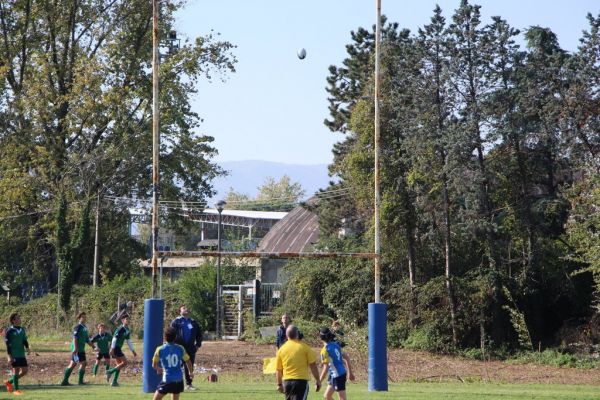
(168, 360)
(337, 363)
(189, 335)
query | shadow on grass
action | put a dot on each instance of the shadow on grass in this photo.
(45, 386)
(242, 391)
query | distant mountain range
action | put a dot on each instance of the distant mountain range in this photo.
(246, 176)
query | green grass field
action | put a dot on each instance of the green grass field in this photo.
(266, 391)
(247, 387)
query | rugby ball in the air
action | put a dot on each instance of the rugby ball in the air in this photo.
(301, 54)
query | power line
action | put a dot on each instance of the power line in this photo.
(274, 199)
(271, 201)
(199, 206)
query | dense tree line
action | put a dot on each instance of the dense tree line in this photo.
(490, 182)
(75, 125)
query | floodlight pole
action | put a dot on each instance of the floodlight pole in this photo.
(155, 145)
(377, 311)
(220, 205)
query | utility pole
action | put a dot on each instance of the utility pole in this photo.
(220, 206)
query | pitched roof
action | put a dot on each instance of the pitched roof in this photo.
(296, 232)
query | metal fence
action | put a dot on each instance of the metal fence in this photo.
(271, 296)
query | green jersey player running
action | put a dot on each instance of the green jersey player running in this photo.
(80, 339)
(121, 335)
(102, 341)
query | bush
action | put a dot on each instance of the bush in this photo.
(321, 289)
(473, 353)
(42, 317)
(493, 353)
(555, 358)
(357, 339)
(305, 288)
(397, 333)
(100, 303)
(39, 316)
(427, 338)
(196, 288)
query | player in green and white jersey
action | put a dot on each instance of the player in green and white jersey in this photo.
(121, 335)
(102, 341)
(16, 345)
(80, 339)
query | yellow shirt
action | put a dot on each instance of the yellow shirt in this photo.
(293, 358)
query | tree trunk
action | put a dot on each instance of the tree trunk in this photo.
(411, 275)
(449, 285)
(482, 331)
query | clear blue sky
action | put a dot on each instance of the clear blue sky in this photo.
(273, 107)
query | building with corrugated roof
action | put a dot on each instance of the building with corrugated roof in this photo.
(297, 232)
(294, 232)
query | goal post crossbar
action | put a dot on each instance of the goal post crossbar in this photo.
(266, 255)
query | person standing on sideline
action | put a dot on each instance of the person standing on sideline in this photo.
(280, 337)
(167, 361)
(189, 335)
(80, 339)
(16, 344)
(121, 335)
(336, 363)
(293, 361)
(102, 341)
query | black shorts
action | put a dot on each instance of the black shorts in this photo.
(100, 356)
(170, 387)
(19, 362)
(295, 389)
(118, 352)
(80, 357)
(338, 383)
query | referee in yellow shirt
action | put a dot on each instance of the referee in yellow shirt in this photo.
(293, 361)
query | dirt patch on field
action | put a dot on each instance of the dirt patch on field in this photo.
(418, 366)
(232, 358)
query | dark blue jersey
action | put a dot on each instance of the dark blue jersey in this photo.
(189, 334)
(280, 337)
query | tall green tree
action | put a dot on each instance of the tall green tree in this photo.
(508, 161)
(75, 84)
(429, 144)
(351, 96)
(582, 123)
(273, 195)
(481, 139)
(469, 70)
